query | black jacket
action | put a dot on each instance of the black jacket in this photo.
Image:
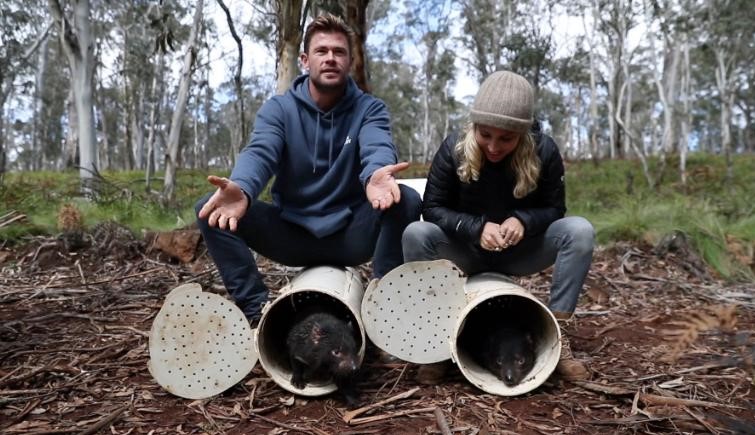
(462, 209)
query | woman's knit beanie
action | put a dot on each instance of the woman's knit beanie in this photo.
(504, 101)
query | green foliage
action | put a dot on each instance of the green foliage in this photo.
(614, 196)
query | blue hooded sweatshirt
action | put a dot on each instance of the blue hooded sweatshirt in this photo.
(322, 161)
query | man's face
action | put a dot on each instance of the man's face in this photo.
(328, 60)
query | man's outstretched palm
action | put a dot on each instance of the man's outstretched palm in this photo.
(226, 206)
(382, 190)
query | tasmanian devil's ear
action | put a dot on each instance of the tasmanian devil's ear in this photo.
(317, 333)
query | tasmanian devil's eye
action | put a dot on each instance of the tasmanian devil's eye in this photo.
(520, 361)
(335, 352)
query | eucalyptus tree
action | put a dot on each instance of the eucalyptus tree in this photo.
(486, 26)
(427, 24)
(23, 34)
(290, 22)
(239, 127)
(78, 43)
(729, 41)
(174, 136)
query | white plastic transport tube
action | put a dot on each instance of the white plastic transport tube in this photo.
(336, 289)
(491, 292)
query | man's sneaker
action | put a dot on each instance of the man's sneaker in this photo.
(431, 374)
(570, 368)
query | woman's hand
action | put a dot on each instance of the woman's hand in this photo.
(491, 239)
(497, 237)
(512, 232)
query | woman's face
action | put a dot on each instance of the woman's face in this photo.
(496, 143)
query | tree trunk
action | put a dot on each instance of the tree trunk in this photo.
(593, 122)
(174, 137)
(71, 146)
(356, 18)
(156, 96)
(727, 101)
(78, 45)
(203, 161)
(238, 129)
(632, 141)
(39, 89)
(107, 156)
(137, 128)
(289, 39)
(684, 94)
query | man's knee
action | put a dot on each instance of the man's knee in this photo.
(411, 203)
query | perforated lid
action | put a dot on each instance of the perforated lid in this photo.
(200, 344)
(411, 312)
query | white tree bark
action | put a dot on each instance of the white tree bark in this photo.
(154, 119)
(684, 95)
(593, 118)
(78, 45)
(39, 89)
(174, 136)
(727, 101)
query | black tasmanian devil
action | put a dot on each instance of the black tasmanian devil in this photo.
(322, 346)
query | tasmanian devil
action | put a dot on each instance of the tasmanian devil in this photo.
(500, 342)
(322, 346)
(509, 353)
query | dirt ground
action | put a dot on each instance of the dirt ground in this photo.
(669, 347)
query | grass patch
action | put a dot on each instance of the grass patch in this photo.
(717, 215)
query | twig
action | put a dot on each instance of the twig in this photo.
(283, 425)
(29, 407)
(105, 421)
(605, 389)
(129, 328)
(389, 416)
(442, 423)
(701, 421)
(400, 375)
(11, 220)
(81, 273)
(654, 399)
(351, 414)
(109, 280)
(11, 373)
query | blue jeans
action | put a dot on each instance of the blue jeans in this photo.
(370, 232)
(567, 243)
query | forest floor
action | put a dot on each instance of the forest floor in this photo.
(669, 347)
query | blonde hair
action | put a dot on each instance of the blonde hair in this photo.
(524, 160)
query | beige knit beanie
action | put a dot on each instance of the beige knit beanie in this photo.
(505, 101)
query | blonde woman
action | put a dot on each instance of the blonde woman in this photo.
(494, 201)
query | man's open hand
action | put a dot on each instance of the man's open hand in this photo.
(382, 189)
(226, 206)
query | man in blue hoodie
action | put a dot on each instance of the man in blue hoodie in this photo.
(335, 200)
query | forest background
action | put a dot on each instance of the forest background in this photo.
(135, 102)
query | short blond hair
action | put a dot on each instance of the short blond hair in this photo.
(328, 23)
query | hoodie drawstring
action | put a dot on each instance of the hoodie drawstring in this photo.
(330, 150)
(317, 134)
(317, 139)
